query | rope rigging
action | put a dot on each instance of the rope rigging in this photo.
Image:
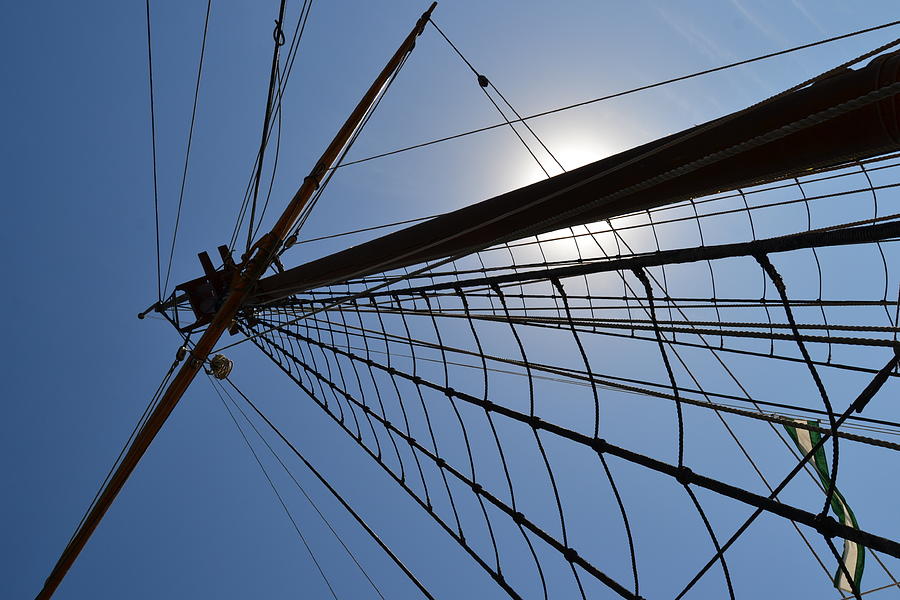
(278, 36)
(302, 336)
(278, 495)
(625, 92)
(187, 152)
(497, 371)
(159, 288)
(282, 81)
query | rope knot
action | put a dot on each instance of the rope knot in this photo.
(278, 33)
(684, 475)
(825, 525)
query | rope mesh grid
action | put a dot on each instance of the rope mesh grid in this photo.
(525, 415)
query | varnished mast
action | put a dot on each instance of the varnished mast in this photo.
(251, 270)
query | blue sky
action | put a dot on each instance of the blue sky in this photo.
(197, 519)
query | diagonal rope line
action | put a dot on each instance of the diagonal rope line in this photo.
(627, 92)
(293, 50)
(823, 523)
(762, 503)
(757, 141)
(301, 488)
(278, 35)
(187, 153)
(284, 506)
(153, 146)
(333, 492)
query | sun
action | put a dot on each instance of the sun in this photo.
(574, 153)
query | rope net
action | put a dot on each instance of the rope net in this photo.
(606, 409)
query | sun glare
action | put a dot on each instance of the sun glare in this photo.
(573, 152)
(577, 153)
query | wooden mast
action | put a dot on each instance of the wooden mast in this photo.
(254, 267)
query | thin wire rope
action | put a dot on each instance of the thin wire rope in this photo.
(332, 490)
(739, 494)
(799, 125)
(153, 146)
(569, 553)
(281, 501)
(629, 91)
(443, 467)
(307, 210)
(187, 152)
(643, 277)
(584, 378)
(301, 488)
(278, 36)
(293, 50)
(670, 207)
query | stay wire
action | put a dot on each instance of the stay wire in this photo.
(754, 142)
(292, 53)
(483, 83)
(626, 92)
(275, 490)
(570, 554)
(153, 145)
(279, 117)
(300, 487)
(583, 378)
(333, 492)
(375, 454)
(187, 153)
(294, 48)
(682, 475)
(278, 36)
(761, 502)
(307, 211)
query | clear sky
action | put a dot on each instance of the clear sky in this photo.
(197, 519)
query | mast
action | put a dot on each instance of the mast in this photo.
(259, 258)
